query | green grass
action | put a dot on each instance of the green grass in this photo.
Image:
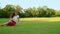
(31, 27)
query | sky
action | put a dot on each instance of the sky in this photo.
(55, 4)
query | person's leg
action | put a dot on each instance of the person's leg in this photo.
(4, 24)
(8, 22)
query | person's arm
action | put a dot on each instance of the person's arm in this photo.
(18, 19)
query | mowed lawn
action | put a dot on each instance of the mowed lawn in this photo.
(32, 26)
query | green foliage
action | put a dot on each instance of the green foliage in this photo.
(39, 12)
(1, 13)
(7, 10)
(43, 11)
(57, 13)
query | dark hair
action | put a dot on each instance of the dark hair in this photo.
(12, 14)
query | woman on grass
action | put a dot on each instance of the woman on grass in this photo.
(14, 17)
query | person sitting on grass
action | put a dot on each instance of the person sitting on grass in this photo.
(14, 17)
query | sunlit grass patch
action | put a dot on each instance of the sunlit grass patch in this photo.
(41, 19)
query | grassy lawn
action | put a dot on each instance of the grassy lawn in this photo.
(32, 26)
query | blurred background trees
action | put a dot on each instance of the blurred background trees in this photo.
(7, 10)
(43, 11)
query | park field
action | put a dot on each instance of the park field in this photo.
(32, 26)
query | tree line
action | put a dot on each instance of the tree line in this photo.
(43, 11)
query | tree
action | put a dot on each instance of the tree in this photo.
(18, 8)
(45, 11)
(7, 10)
(41, 12)
(30, 12)
(1, 13)
(50, 12)
(57, 13)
